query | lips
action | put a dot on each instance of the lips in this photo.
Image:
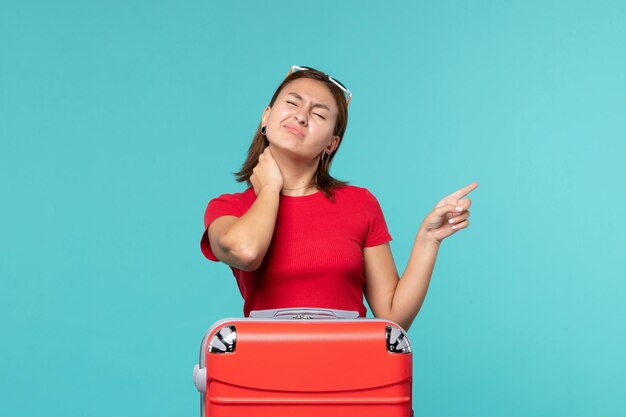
(296, 131)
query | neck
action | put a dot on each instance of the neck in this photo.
(297, 176)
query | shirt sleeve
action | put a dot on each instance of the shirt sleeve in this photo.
(224, 205)
(377, 232)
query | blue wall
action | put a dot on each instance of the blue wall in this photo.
(119, 120)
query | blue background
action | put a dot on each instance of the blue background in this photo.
(119, 120)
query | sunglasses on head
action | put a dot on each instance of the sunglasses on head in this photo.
(347, 93)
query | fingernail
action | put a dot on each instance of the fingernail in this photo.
(453, 227)
(451, 221)
(459, 208)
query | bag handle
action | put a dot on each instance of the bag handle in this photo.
(304, 313)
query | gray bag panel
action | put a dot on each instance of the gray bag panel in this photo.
(304, 313)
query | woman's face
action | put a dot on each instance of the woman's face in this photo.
(302, 120)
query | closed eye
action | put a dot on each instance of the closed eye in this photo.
(291, 102)
(319, 115)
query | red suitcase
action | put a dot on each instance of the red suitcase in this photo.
(304, 363)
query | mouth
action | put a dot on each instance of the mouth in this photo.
(294, 130)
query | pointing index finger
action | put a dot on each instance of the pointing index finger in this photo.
(457, 195)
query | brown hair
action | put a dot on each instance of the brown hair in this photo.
(322, 178)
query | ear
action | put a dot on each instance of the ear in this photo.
(265, 116)
(333, 144)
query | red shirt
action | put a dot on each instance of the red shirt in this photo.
(315, 258)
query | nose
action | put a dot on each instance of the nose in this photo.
(301, 118)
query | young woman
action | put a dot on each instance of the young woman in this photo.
(297, 237)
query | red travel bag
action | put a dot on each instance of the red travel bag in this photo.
(304, 363)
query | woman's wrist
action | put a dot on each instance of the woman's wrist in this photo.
(271, 188)
(426, 239)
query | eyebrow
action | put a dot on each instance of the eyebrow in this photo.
(299, 97)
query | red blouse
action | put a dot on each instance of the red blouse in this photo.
(315, 258)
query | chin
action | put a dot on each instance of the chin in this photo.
(291, 151)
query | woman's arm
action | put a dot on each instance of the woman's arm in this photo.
(390, 297)
(400, 299)
(243, 242)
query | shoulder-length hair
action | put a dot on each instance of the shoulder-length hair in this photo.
(322, 178)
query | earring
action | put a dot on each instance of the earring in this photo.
(263, 130)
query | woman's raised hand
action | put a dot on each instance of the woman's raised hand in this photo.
(266, 173)
(449, 215)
